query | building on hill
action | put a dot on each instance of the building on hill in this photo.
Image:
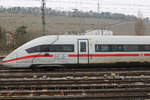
(98, 32)
(92, 32)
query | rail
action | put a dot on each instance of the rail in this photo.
(82, 84)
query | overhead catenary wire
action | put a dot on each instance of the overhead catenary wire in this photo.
(88, 5)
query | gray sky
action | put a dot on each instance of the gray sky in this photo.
(118, 6)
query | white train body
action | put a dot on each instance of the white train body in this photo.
(82, 49)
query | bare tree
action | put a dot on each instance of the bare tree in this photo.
(139, 25)
(2, 33)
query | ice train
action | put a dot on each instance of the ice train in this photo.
(61, 50)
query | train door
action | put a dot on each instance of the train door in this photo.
(83, 51)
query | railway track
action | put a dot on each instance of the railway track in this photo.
(82, 84)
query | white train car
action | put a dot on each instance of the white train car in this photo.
(79, 49)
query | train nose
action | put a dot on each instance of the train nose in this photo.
(2, 62)
(6, 63)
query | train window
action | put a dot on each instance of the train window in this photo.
(52, 48)
(147, 48)
(130, 48)
(116, 48)
(33, 49)
(121, 48)
(68, 48)
(102, 48)
(136, 48)
(44, 48)
(82, 46)
(62, 48)
(109, 48)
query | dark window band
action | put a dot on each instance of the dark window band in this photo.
(52, 48)
(121, 48)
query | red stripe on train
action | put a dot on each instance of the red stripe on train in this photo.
(102, 55)
(114, 55)
(77, 55)
(146, 54)
(26, 57)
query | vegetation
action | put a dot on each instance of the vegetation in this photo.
(2, 33)
(21, 30)
(139, 26)
(74, 13)
(3, 46)
(21, 36)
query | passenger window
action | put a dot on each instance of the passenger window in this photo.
(62, 48)
(116, 48)
(130, 48)
(121, 48)
(82, 46)
(146, 48)
(102, 48)
(33, 49)
(67, 48)
(52, 48)
(44, 48)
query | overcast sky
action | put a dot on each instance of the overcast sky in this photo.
(119, 6)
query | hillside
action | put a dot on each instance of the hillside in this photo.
(62, 24)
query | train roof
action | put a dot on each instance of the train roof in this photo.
(92, 37)
(50, 39)
(95, 36)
